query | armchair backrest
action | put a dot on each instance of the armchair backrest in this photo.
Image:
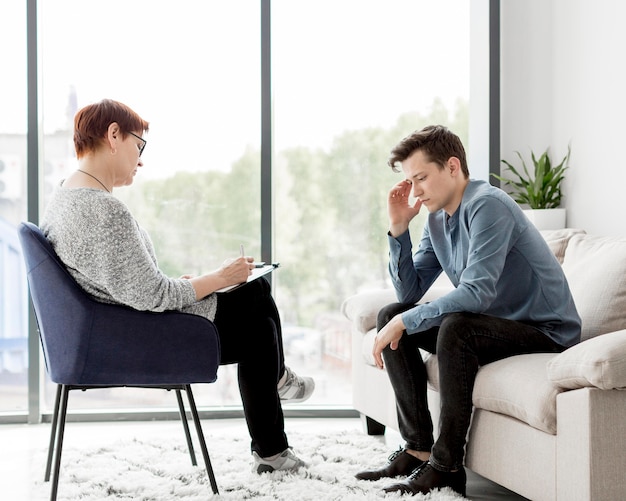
(62, 308)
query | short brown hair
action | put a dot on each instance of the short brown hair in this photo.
(92, 122)
(437, 142)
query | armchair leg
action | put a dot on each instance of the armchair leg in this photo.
(205, 452)
(58, 448)
(58, 429)
(183, 418)
(53, 431)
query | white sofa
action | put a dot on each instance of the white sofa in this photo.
(545, 426)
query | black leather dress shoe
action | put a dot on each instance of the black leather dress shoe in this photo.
(427, 478)
(400, 463)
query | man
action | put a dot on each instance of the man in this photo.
(510, 297)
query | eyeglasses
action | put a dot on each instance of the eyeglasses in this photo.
(143, 142)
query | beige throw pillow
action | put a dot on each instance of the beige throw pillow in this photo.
(599, 362)
(557, 240)
(596, 271)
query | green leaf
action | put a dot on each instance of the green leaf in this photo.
(542, 189)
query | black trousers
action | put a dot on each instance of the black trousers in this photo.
(250, 334)
(463, 343)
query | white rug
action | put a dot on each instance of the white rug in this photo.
(157, 468)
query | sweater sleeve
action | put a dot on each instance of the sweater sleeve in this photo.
(110, 256)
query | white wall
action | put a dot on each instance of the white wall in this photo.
(564, 81)
(478, 145)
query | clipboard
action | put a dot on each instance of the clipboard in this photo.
(256, 273)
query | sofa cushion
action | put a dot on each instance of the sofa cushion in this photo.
(557, 240)
(519, 387)
(596, 271)
(598, 362)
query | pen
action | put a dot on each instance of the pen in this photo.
(241, 250)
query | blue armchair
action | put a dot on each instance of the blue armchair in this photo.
(88, 344)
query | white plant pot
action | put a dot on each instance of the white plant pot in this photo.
(547, 219)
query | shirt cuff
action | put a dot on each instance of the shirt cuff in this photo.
(396, 244)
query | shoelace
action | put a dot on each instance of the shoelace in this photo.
(395, 454)
(292, 383)
(419, 471)
(291, 379)
(294, 380)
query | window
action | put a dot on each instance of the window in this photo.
(194, 73)
(13, 291)
(349, 80)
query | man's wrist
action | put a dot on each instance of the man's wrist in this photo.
(399, 322)
(395, 230)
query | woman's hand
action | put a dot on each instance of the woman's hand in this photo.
(236, 271)
(400, 210)
(231, 272)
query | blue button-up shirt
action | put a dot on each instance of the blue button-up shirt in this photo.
(496, 259)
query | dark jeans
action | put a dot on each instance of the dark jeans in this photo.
(250, 335)
(463, 343)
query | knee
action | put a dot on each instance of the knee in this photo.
(453, 330)
(261, 287)
(386, 313)
(453, 321)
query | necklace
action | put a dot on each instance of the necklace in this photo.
(91, 175)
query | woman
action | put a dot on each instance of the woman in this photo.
(113, 259)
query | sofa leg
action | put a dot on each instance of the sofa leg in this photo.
(371, 426)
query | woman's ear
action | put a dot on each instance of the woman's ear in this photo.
(113, 134)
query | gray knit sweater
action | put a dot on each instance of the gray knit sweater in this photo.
(112, 257)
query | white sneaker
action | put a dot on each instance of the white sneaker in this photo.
(286, 461)
(295, 388)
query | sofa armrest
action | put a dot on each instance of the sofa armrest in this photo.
(362, 308)
(598, 362)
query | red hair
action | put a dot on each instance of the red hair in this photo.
(92, 122)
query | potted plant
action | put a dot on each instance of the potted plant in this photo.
(539, 191)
